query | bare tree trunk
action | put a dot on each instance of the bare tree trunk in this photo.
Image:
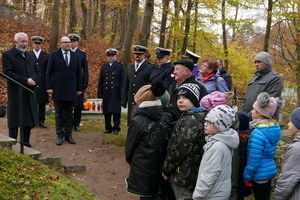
(73, 18)
(54, 26)
(195, 27)
(24, 5)
(224, 35)
(268, 28)
(125, 57)
(48, 11)
(123, 22)
(163, 23)
(96, 14)
(175, 23)
(144, 33)
(90, 18)
(34, 7)
(114, 26)
(84, 20)
(235, 19)
(187, 27)
(102, 13)
(63, 20)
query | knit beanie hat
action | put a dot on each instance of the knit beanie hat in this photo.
(150, 92)
(221, 117)
(267, 105)
(295, 118)
(244, 119)
(190, 91)
(229, 98)
(264, 57)
(165, 98)
(212, 100)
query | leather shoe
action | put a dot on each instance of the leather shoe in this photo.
(41, 124)
(59, 140)
(106, 132)
(70, 139)
(116, 132)
(76, 128)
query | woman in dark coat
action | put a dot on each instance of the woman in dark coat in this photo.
(146, 143)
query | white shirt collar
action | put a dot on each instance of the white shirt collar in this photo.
(74, 49)
(139, 63)
(37, 53)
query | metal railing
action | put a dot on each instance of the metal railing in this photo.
(20, 89)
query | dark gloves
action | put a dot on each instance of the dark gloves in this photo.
(84, 86)
(99, 96)
(124, 105)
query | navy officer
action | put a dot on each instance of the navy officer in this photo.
(110, 87)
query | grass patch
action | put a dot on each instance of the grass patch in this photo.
(24, 178)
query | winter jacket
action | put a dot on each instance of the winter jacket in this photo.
(210, 84)
(214, 177)
(288, 183)
(226, 77)
(145, 149)
(265, 80)
(185, 149)
(260, 155)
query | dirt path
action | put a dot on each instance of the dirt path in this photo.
(106, 168)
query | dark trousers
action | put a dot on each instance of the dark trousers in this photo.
(116, 120)
(166, 190)
(156, 197)
(63, 117)
(262, 191)
(42, 113)
(77, 116)
(13, 133)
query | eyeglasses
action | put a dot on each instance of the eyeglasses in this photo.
(66, 42)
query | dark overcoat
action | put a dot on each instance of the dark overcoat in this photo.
(41, 94)
(20, 69)
(85, 75)
(163, 73)
(134, 80)
(110, 86)
(64, 80)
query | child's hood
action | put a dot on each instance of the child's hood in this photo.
(272, 133)
(229, 137)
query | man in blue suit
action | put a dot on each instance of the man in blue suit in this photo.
(110, 87)
(85, 79)
(64, 83)
(164, 71)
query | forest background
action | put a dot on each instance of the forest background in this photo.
(232, 30)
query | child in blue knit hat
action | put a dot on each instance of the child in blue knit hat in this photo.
(288, 183)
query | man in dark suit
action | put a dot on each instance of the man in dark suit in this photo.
(110, 87)
(20, 65)
(138, 74)
(41, 95)
(85, 79)
(64, 83)
(165, 68)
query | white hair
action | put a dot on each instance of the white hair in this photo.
(16, 38)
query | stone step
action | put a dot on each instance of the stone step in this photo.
(72, 166)
(27, 151)
(7, 142)
(50, 158)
